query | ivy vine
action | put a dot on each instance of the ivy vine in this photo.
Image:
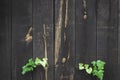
(97, 68)
(32, 64)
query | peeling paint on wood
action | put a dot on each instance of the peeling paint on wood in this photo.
(58, 29)
(66, 14)
(28, 37)
(63, 60)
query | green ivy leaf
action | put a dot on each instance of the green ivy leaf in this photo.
(42, 62)
(100, 64)
(86, 66)
(81, 67)
(93, 63)
(37, 61)
(89, 70)
(28, 67)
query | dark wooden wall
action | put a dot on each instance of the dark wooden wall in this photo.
(70, 38)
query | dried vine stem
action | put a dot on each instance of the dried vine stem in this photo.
(45, 44)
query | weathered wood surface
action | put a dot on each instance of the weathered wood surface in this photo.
(107, 36)
(43, 17)
(68, 37)
(64, 39)
(5, 40)
(85, 36)
(21, 45)
(118, 77)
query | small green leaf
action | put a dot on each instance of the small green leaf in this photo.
(100, 64)
(37, 61)
(89, 70)
(28, 66)
(44, 62)
(81, 67)
(93, 63)
(86, 66)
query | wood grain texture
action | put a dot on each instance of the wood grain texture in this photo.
(112, 41)
(85, 36)
(107, 36)
(43, 16)
(21, 50)
(5, 40)
(118, 77)
(70, 38)
(103, 13)
(65, 55)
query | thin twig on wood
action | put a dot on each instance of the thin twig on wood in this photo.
(45, 45)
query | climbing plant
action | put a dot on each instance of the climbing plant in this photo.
(97, 68)
(32, 64)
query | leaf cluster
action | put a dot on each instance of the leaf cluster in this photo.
(85, 67)
(32, 64)
(97, 68)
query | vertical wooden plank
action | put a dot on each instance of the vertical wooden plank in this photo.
(113, 40)
(103, 7)
(107, 36)
(43, 16)
(64, 39)
(103, 14)
(119, 43)
(85, 36)
(5, 40)
(21, 47)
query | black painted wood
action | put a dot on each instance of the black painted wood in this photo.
(43, 16)
(103, 14)
(103, 8)
(21, 49)
(107, 36)
(112, 41)
(107, 26)
(85, 36)
(97, 37)
(118, 77)
(5, 40)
